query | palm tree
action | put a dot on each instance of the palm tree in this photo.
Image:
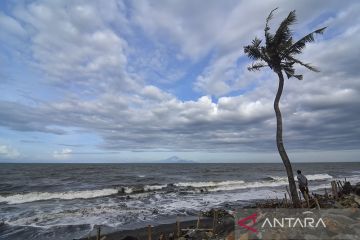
(278, 53)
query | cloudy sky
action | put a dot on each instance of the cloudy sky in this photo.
(128, 81)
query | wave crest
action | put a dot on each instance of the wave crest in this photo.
(310, 177)
(208, 184)
(40, 196)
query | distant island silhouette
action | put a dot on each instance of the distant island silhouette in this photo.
(175, 159)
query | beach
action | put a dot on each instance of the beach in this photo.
(69, 201)
(170, 229)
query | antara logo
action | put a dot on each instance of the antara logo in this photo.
(287, 222)
(252, 217)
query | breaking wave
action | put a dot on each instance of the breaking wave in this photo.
(39, 196)
(230, 185)
(42, 196)
(270, 181)
(208, 184)
(310, 177)
(211, 186)
(319, 177)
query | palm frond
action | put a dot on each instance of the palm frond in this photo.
(299, 77)
(253, 50)
(283, 33)
(288, 69)
(256, 66)
(301, 43)
(307, 65)
(269, 18)
(268, 36)
(264, 54)
(290, 72)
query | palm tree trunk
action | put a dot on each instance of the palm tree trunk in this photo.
(280, 144)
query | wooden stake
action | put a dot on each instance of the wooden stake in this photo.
(340, 185)
(214, 220)
(334, 189)
(149, 232)
(307, 199)
(317, 203)
(98, 233)
(177, 228)
(198, 222)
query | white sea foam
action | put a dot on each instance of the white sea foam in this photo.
(246, 185)
(310, 177)
(39, 196)
(239, 184)
(153, 187)
(322, 176)
(128, 190)
(319, 187)
(208, 184)
(232, 185)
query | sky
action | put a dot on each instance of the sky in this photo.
(140, 81)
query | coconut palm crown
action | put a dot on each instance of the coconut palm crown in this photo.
(280, 50)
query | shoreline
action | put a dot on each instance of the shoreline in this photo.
(157, 199)
(219, 223)
(223, 226)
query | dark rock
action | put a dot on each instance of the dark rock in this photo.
(356, 189)
(170, 188)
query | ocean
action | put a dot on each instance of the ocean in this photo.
(65, 201)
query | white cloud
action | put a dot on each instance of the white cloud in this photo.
(76, 43)
(89, 44)
(8, 152)
(223, 29)
(11, 26)
(63, 153)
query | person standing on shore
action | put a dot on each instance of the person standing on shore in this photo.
(303, 184)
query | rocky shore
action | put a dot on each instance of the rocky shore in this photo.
(218, 224)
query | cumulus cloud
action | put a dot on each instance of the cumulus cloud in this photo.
(76, 45)
(101, 56)
(8, 152)
(223, 29)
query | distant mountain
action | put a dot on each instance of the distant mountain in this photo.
(175, 159)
